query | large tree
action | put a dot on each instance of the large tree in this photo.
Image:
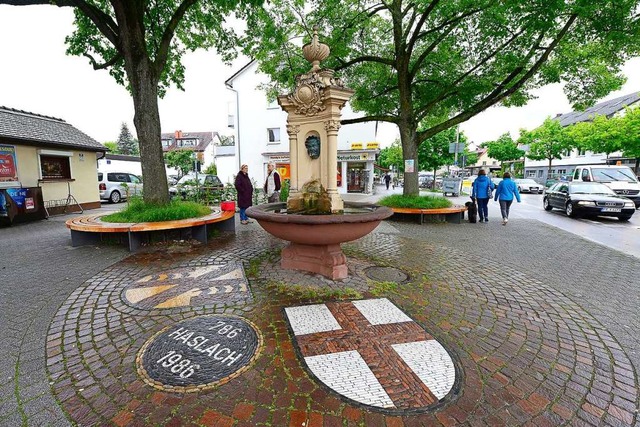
(141, 43)
(547, 142)
(442, 62)
(504, 149)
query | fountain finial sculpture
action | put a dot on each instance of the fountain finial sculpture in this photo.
(315, 223)
(315, 52)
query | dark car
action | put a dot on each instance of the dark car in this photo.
(587, 199)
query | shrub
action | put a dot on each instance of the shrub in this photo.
(418, 202)
(139, 211)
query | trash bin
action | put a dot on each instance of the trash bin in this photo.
(451, 185)
(21, 205)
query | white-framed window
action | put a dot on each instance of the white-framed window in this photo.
(582, 151)
(484, 163)
(55, 165)
(540, 173)
(187, 142)
(273, 135)
(562, 171)
(531, 174)
(166, 142)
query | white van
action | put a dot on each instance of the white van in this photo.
(620, 179)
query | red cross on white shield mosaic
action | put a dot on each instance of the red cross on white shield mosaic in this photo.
(371, 352)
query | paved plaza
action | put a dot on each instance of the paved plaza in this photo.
(437, 324)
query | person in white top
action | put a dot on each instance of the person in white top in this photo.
(272, 184)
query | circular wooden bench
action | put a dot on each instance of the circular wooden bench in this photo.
(454, 214)
(89, 229)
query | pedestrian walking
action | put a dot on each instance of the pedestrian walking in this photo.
(272, 184)
(245, 193)
(505, 193)
(387, 179)
(481, 191)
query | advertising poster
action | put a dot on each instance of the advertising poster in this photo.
(408, 166)
(18, 195)
(8, 164)
(3, 204)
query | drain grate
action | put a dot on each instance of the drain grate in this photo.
(386, 274)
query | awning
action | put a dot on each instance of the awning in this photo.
(377, 166)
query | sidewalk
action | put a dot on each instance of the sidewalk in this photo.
(530, 345)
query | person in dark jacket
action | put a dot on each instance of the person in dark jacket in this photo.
(507, 189)
(481, 191)
(245, 193)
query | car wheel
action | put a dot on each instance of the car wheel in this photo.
(624, 218)
(546, 205)
(569, 210)
(519, 190)
(541, 191)
(115, 196)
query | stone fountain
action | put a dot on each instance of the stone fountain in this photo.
(316, 220)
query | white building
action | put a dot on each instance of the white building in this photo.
(120, 163)
(537, 169)
(261, 137)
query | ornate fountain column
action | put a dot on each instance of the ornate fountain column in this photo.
(313, 120)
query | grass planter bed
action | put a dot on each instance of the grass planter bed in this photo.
(431, 208)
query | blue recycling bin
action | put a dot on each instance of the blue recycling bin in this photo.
(21, 204)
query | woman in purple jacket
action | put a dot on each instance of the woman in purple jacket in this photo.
(245, 193)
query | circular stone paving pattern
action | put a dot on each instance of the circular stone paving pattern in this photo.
(198, 353)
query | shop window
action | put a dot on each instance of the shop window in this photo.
(274, 135)
(55, 167)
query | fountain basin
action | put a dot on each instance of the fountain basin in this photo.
(315, 239)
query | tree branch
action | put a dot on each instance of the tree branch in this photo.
(366, 58)
(418, 29)
(165, 43)
(107, 64)
(496, 96)
(380, 118)
(103, 21)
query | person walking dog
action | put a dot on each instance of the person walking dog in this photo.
(481, 191)
(505, 193)
(272, 184)
(245, 193)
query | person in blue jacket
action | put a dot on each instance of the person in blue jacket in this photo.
(481, 191)
(507, 189)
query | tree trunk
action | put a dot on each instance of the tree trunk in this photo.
(409, 152)
(636, 167)
(549, 169)
(143, 78)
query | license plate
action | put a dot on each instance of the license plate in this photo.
(611, 210)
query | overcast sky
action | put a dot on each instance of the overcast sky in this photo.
(37, 76)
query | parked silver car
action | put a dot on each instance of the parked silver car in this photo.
(529, 186)
(114, 186)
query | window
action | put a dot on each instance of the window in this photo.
(134, 179)
(581, 151)
(274, 135)
(55, 167)
(531, 174)
(567, 153)
(118, 177)
(187, 142)
(540, 173)
(484, 163)
(562, 171)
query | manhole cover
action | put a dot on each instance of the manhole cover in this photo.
(386, 274)
(199, 353)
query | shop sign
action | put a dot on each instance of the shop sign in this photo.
(284, 170)
(373, 145)
(367, 146)
(356, 146)
(8, 164)
(353, 157)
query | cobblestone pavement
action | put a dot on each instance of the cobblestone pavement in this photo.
(534, 317)
(39, 270)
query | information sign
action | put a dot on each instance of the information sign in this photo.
(8, 164)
